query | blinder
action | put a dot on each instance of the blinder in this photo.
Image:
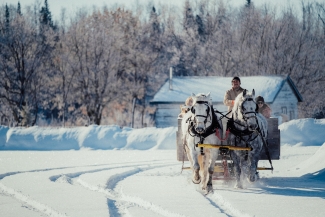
(243, 109)
(193, 110)
(207, 110)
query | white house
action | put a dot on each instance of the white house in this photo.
(278, 91)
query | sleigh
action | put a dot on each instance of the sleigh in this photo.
(224, 165)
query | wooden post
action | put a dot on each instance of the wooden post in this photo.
(181, 155)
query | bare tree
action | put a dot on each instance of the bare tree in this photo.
(93, 45)
(23, 56)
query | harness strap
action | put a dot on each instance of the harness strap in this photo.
(222, 115)
(235, 131)
(208, 131)
(201, 142)
(240, 133)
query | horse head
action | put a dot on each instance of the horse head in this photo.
(246, 109)
(201, 112)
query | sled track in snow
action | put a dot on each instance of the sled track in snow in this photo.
(73, 179)
(29, 202)
(117, 200)
(117, 196)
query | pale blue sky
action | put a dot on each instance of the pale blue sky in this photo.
(73, 5)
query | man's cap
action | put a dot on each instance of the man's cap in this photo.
(235, 78)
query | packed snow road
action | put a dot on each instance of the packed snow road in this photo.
(149, 183)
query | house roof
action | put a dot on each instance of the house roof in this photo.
(183, 87)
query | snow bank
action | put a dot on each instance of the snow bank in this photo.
(313, 167)
(92, 137)
(304, 132)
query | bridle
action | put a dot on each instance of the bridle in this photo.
(208, 111)
(208, 130)
(245, 117)
(245, 131)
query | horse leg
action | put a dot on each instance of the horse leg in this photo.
(204, 163)
(253, 175)
(192, 157)
(196, 179)
(209, 184)
(195, 172)
(188, 153)
(212, 161)
(237, 170)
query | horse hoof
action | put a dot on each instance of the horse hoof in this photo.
(196, 181)
(253, 178)
(196, 177)
(209, 190)
(238, 186)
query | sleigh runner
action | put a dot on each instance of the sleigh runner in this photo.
(224, 164)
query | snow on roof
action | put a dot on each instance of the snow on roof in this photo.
(183, 87)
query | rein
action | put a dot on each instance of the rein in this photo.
(241, 133)
(234, 130)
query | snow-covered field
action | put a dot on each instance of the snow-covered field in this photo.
(108, 171)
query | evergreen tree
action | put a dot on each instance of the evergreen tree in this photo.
(7, 18)
(248, 3)
(200, 27)
(46, 17)
(189, 21)
(154, 41)
(19, 9)
(154, 20)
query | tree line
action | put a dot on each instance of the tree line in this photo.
(102, 66)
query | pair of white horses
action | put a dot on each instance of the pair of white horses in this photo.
(199, 126)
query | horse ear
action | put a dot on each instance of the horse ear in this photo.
(253, 93)
(244, 92)
(193, 94)
(208, 94)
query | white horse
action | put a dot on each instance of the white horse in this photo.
(199, 126)
(248, 129)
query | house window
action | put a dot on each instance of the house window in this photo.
(292, 115)
(284, 110)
